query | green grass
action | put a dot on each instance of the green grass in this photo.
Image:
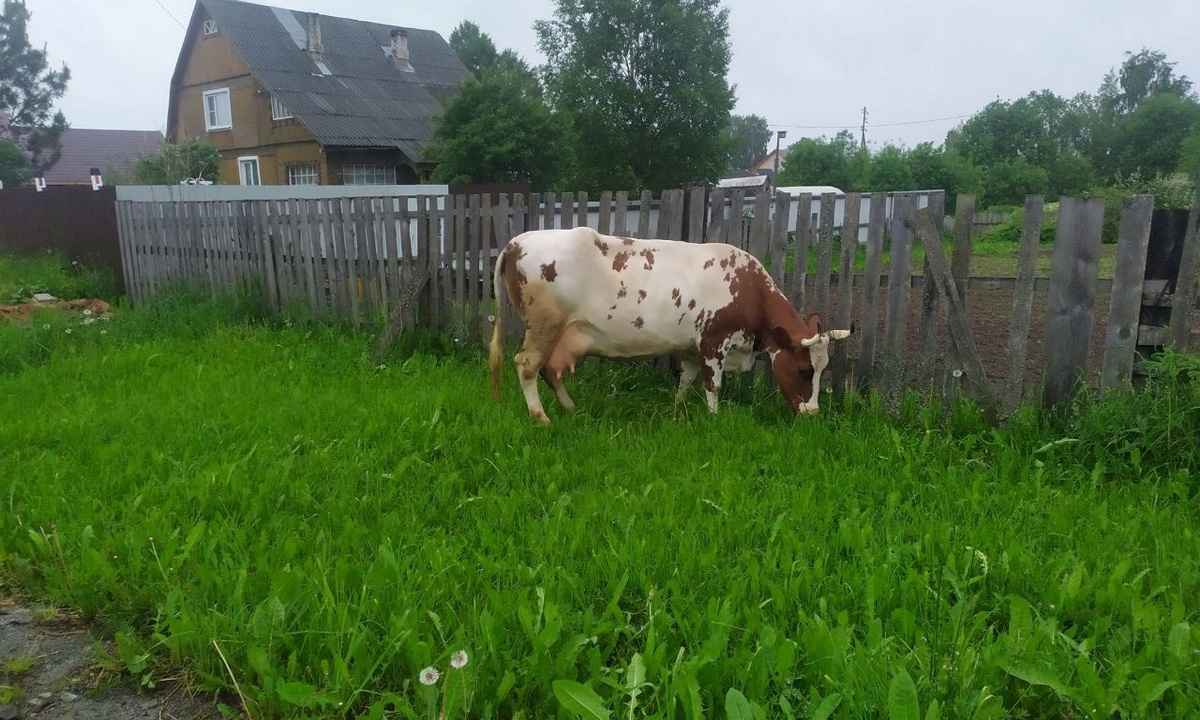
(216, 488)
(50, 273)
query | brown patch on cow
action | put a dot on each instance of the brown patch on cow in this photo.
(648, 254)
(514, 276)
(641, 296)
(692, 304)
(610, 317)
(677, 297)
(612, 307)
(620, 259)
(638, 322)
(549, 272)
(621, 291)
(626, 241)
(601, 246)
(709, 263)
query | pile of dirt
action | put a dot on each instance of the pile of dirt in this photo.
(86, 307)
(53, 667)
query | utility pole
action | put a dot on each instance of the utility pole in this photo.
(864, 128)
(779, 135)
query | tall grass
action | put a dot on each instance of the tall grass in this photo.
(212, 485)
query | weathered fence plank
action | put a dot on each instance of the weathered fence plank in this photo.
(928, 359)
(825, 254)
(621, 214)
(1072, 297)
(1018, 335)
(798, 279)
(1186, 280)
(838, 364)
(865, 365)
(904, 210)
(1125, 303)
(644, 214)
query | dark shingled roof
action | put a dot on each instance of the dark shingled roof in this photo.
(367, 99)
(109, 150)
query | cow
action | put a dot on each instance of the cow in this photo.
(712, 305)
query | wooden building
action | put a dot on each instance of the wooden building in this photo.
(298, 98)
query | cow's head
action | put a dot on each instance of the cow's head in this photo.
(800, 356)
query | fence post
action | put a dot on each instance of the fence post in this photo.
(865, 366)
(1072, 298)
(1185, 282)
(1125, 303)
(904, 210)
(838, 364)
(1018, 334)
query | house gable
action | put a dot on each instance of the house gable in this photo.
(347, 90)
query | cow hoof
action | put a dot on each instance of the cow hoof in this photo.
(542, 419)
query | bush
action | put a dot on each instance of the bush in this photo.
(1010, 230)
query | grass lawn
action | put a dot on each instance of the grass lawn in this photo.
(216, 488)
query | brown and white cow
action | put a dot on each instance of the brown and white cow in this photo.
(712, 305)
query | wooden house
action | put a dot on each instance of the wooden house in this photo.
(298, 98)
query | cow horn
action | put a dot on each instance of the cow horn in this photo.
(809, 342)
(840, 334)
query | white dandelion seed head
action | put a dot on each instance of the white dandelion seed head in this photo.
(459, 660)
(429, 676)
(68, 331)
(87, 312)
(46, 326)
(103, 332)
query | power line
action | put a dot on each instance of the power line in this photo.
(168, 12)
(876, 125)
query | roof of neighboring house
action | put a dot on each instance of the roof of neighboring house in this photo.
(744, 181)
(109, 150)
(366, 99)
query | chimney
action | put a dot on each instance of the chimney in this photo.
(400, 46)
(315, 48)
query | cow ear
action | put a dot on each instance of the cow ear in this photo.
(782, 337)
(814, 318)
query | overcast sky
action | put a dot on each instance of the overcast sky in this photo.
(918, 66)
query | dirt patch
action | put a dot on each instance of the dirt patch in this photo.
(87, 308)
(54, 667)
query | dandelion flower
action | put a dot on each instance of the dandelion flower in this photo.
(429, 676)
(68, 331)
(46, 326)
(459, 660)
(103, 332)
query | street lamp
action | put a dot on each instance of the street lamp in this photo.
(779, 135)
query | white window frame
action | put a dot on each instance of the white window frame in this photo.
(213, 108)
(245, 161)
(280, 111)
(304, 173)
(210, 27)
(355, 174)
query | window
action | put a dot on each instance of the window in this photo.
(248, 170)
(369, 174)
(216, 110)
(210, 27)
(279, 111)
(302, 175)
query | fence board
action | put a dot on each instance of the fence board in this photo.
(1018, 336)
(733, 226)
(1189, 275)
(838, 363)
(904, 208)
(547, 211)
(799, 274)
(566, 215)
(760, 226)
(465, 226)
(604, 219)
(960, 260)
(581, 209)
(1124, 310)
(621, 214)
(777, 247)
(825, 253)
(479, 240)
(865, 366)
(717, 225)
(697, 212)
(928, 366)
(1072, 297)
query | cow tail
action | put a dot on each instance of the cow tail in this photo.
(496, 350)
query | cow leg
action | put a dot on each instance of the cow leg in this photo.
(540, 338)
(711, 369)
(689, 368)
(555, 382)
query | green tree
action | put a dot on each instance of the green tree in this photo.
(498, 129)
(192, 158)
(1141, 76)
(890, 169)
(474, 48)
(1150, 139)
(749, 137)
(28, 89)
(820, 161)
(643, 86)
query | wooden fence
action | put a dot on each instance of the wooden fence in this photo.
(427, 260)
(74, 220)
